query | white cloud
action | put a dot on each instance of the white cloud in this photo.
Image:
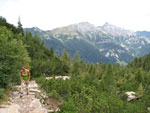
(48, 14)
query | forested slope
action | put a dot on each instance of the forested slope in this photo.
(93, 88)
(17, 49)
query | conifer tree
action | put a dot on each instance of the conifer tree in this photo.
(65, 58)
(108, 80)
(76, 58)
(52, 51)
(20, 29)
(140, 89)
(138, 76)
(92, 71)
(76, 65)
(66, 61)
(100, 70)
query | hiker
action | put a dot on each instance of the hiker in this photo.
(25, 78)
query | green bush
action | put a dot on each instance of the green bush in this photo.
(69, 107)
(13, 54)
(2, 90)
(53, 94)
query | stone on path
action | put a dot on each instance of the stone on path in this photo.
(33, 85)
(35, 90)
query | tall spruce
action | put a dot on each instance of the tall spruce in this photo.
(20, 29)
(66, 61)
(108, 80)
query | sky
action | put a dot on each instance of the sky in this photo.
(49, 14)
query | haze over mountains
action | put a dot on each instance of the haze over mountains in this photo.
(106, 43)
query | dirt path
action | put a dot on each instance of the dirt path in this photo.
(27, 104)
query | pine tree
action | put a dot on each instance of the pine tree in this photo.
(92, 71)
(138, 76)
(140, 89)
(76, 65)
(100, 70)
(20, 29)
(108, 80)
(76, 58)
(52, 51)
(66, 61)
(65, 58)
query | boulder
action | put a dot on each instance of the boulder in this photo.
(58, 77)
(33, 85)
(132, 95)
(62, 77)
(48, 78)
(15, 93)
(148, 108)
(35, 90)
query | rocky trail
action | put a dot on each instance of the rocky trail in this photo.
(35, 102)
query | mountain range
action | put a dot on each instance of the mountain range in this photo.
(107, 43)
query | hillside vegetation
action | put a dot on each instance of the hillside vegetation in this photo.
(92, 88)
(17, 49)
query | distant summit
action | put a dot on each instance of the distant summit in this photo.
(85, 26)
(117, 31)
(107, 43)
(33, 29)
(36, 29)
(143, 33)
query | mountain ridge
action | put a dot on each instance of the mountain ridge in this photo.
(112, 42)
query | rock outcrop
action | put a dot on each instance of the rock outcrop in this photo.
(132, 96)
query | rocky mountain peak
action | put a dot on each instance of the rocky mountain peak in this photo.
(116, 31)
(85, 26)
(36, 29)
(108, 25)
(107, 42)
(143, 33)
